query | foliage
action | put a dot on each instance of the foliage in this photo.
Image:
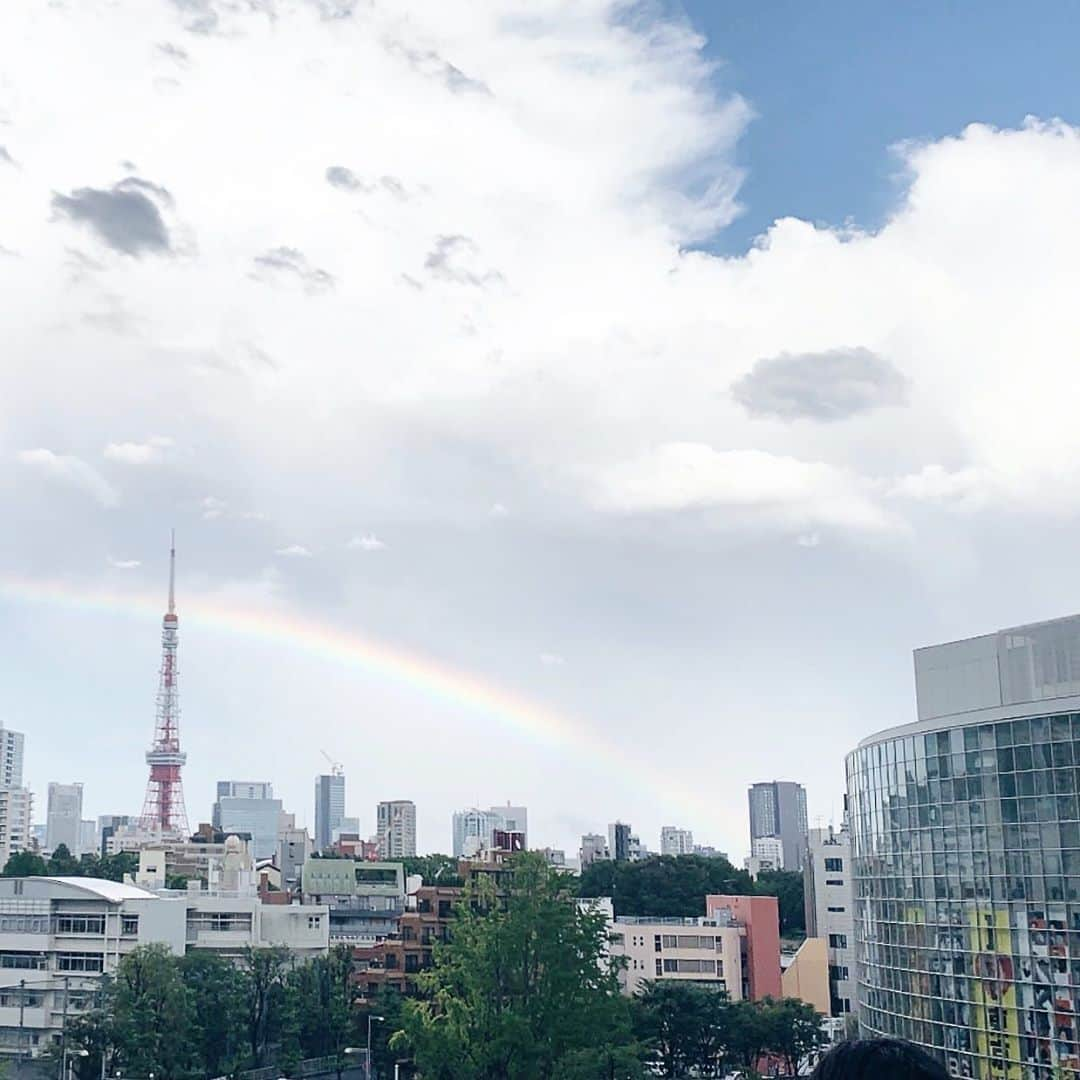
(216, 989)
(665, 885)
(263, 972)
(793, 1031)
(787, 887)
(523, 990)
(434, 869)
(63, 864)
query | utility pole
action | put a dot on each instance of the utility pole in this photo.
(22, 1016)
(63, 1029)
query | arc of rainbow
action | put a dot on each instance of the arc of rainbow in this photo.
(430, 677)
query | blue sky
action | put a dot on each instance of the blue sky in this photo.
(834, 85)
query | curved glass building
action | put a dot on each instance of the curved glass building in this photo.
(966, 857)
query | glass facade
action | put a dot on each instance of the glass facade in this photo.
(966, 858)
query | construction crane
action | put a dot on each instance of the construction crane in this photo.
(336, 768)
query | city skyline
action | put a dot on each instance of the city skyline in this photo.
(620, 434)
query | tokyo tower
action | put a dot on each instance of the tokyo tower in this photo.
(163, 810)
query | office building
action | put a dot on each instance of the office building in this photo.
(12, 744)
(830, 911)
(245, 806)
(294, 849)
(593, 848)
(778, 809)
(107, 827)
(513, 819)
(16, 811)
(766, 853)
(88, 836)
(365, 899)
(329, 807)
(472, 831)
(702, 951)
(63, 818)
(676, 841)
(965, 835)
(396, 829)
(759, 916)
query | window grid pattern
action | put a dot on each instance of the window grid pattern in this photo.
(966, 849)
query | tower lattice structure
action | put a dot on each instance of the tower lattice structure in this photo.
(163, 809)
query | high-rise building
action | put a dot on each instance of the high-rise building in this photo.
(107, 827)
(830, 911)
(329, 807)
(472, 831)
(63, 818)
(396, 829)
(245, 806)
(11, 758)
(88, 836)
(778, 808)
(513, 819)
(965, 833)
(164, 812)
(676, 841)
(623, 844)
(593, 849)
(16, 810)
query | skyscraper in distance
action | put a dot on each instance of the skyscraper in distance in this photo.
(778, 808)
(396, 829)
(63, 817)
(11, 757)
(329, 807)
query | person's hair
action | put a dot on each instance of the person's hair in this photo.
(878, 1059)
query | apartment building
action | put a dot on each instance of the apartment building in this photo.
(365, 899)
(759, 917)
(676, 841)
(396, 828)
(830, 911)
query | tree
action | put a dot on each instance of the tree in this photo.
(686, 1025)
(787, 887)
(793, 1031)
(63, 864)
(434, 869)
(522, 991)
(665, 885)
(321, 1019)
(25, 864)
(216, 990)
(262, 987)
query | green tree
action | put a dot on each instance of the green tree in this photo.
(263, 980)
(748, 1035)
(151, 1015)
(321, 1018)
(434, 869)
(523, 988)
(686, 1025)
(216, 991)
(25, 864)
(63, 864)
(787, 887)
(793, 1031)
(665, 885)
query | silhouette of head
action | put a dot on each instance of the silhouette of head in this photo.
(878, 1059)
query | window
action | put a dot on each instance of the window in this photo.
(80, 924)
(834, 866)
(838, 971)
(659, 968)
(670, 941)
(314, 922)
(836, 909)
(23, 961)
(838, 941)
(656, 942)
(834, 881)
(129, 925)
(12, 997)
(77, 961)
(218, 921)
(24, 924)
(690, 966)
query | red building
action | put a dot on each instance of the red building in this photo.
(760, 917)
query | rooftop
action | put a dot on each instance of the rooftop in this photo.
(113, 891)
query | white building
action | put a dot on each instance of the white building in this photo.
(701, 951)
(11, 758)
(396, 829)
(676, 841)
(245, 806)
(830, 902)
(16, 812)
(472, 831)
(63, 818)
(594, 848)
(766, 853)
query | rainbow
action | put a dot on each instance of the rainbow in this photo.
(417, 673)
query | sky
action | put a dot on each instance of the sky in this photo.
(587, 405)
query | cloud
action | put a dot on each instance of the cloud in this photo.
(497, 510)
(71, 471)
(808, 540)
(174, 53)
(340, 177)
(126, 216)
(213, 508)
(552, 659)
(367, 542)
(282, 263)
(676, 477)
(294, 551)
(970, 487)
(124, 564)
(152, 452)
(5, 156)
(830, 385)
(431, 65)
(453, 258)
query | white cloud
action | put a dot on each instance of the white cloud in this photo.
(498, 511)
(213, 507)
(151, 452)
(72, 471)
(294, 551)
(552, 659)
(124, 564)
(808, 540)
(933, 483)
(366, 542)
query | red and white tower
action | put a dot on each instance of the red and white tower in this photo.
(163, 811)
